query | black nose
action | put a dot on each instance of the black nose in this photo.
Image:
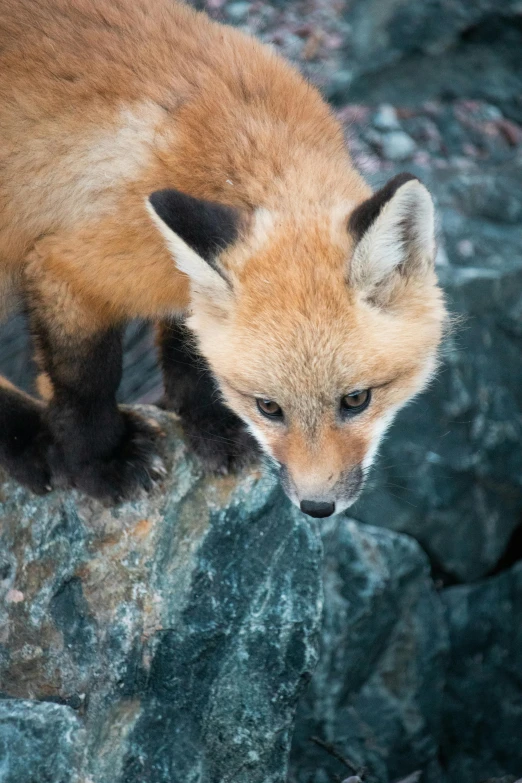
(317, 510)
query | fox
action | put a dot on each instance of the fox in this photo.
(156, 164)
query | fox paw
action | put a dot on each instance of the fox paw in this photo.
(222, 443)
(24, 445)
(29, 466)
(135, 465)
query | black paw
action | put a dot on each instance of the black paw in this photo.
(30, 467)
(24, 442)
(134, 465)
(222, 443)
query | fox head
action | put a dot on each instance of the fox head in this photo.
(318, 327)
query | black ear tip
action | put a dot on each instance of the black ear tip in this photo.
(366, 213)
(157, 199)
(206, 226)
(401, 179)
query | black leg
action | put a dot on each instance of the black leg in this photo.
(214, 432)
(107, 453)
(24, 439)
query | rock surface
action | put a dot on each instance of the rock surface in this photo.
(410, 678)
(376, 694)
(176, 632)
(40, 742)
(482, 706)
(170, 639)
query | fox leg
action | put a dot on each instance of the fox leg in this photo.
(24, 439)
(107, 453)
(215, 433)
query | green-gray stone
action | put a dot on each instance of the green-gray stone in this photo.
(482, 707)
(40, 742)
(180, 628)
(377, 690)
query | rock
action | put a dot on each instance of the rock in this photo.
(385, 118)
(397, 145)
(377, 690)
(496, 198)
(40, 742)
(341, 80)
(450, 470)
(406, 53)
(383, 32)
(503, 779)
(175, 633)
(237, 11)
(482, 706)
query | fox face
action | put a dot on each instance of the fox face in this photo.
(319, 325)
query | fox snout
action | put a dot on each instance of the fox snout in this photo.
(320, 499)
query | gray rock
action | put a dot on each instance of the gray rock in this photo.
(482, 707)
(39, 743)
(397, 145)
(385, 118)
(386, 30)
(496, 198)
(180, 628)
(238, 11)
(341, 80)
(377, 690)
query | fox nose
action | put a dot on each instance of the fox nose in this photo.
(317, 510)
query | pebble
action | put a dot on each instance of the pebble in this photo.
(385, 118)
(397, 145)
(466, 248)
(236, 12)
(340, 82)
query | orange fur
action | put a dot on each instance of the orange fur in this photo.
(105, 101)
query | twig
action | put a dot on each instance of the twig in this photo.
(332, 750)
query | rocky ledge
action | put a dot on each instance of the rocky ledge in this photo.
(165, 640)
(170, 640)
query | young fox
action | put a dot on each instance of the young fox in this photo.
(156, 164)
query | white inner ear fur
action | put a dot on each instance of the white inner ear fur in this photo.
(204, 280)
(402, 236)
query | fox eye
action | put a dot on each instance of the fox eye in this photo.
(269, 408)
(356, 402)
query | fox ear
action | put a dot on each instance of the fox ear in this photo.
(196, 231)
(395, 235)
